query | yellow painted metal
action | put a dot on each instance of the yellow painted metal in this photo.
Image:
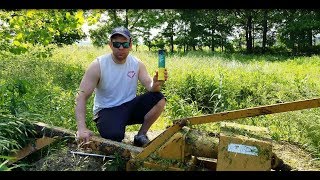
(31, 148)
(158, 141)
(256, 111)
(244, 148)
(136, 161)
(240, 153)
(171, 143)
(178, 149)
(174, 148)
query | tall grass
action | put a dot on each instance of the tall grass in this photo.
(199, 83)
(15, 133)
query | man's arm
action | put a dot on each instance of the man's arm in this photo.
(151, 84)
(86, 88)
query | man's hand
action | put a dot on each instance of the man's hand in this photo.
(158, 83)
(84, 135)
(155, 77)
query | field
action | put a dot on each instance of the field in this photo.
(43, 89)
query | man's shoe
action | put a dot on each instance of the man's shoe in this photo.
(140, 140)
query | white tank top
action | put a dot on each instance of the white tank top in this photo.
(118, 82)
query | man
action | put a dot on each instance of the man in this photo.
(114, 79)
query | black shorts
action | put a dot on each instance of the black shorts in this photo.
(111, 122)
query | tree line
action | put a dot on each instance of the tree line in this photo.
(251, 31)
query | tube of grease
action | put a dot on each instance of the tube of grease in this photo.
(161, 64)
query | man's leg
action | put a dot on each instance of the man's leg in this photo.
(111, 122)
(146, 110)
(152, 116)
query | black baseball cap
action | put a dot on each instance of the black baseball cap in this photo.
(122, 31)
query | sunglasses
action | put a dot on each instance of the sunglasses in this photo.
(118, 44)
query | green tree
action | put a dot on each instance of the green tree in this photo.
(138, 21)
(21, 29)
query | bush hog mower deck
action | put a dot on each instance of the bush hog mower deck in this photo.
(180, 148)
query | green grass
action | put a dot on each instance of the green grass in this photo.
(199, 83)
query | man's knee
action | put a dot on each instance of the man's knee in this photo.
(161, 103)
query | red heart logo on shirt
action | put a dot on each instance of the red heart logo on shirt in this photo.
(131, 74)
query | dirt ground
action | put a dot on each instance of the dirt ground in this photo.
(297, 158)
(64, 160)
